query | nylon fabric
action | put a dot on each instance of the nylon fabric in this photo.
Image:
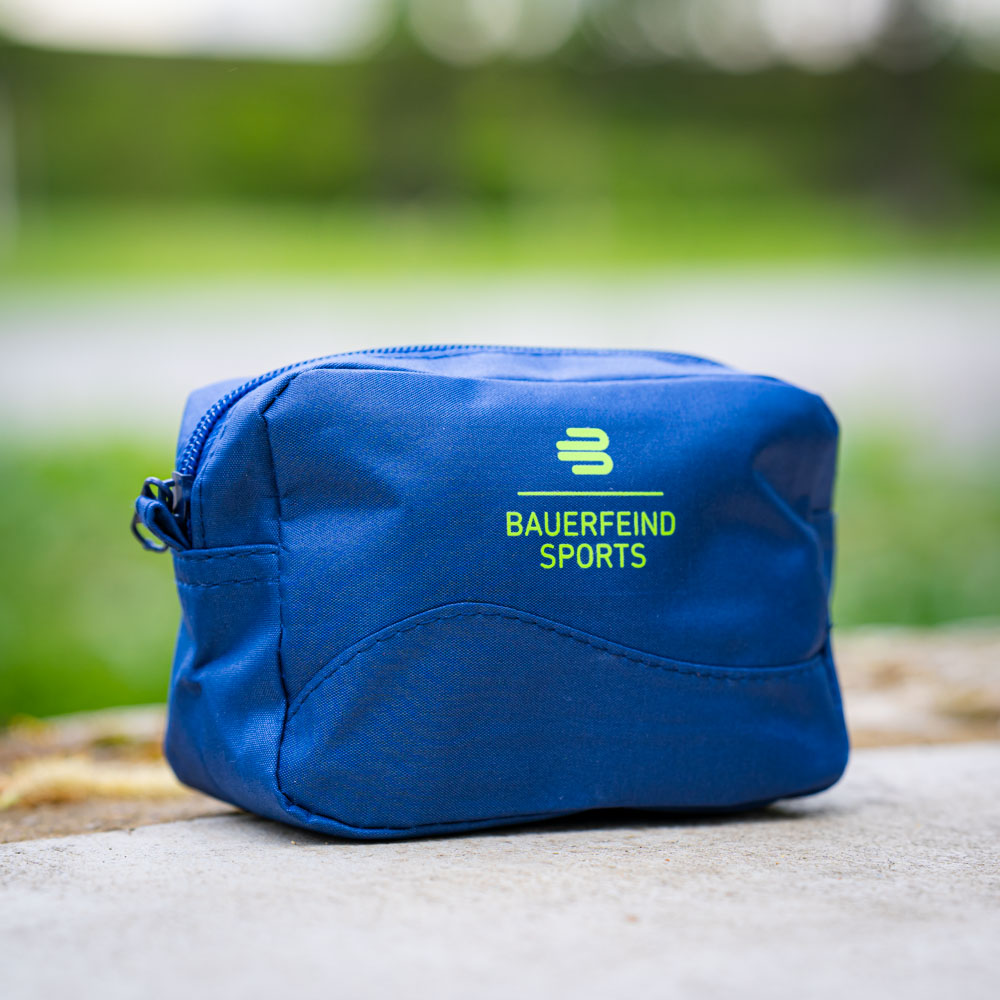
(404, 613)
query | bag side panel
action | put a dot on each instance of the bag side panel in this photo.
(227, 698)
(226, 706)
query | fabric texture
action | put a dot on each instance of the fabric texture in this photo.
(436, 589)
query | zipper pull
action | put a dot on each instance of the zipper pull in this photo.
(162, 509)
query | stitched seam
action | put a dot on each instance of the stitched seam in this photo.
(552, 352)
(229, 583)
(201, 555)
(578, 381)
(281, 602)
(541, 352)
(695, 361)
(478, 822)
(709, 673)
(199, 482)
(830, 671)
(513, 378)
(486, 821)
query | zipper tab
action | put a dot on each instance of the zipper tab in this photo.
(161, 508)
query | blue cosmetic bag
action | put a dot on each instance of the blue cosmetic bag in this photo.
(439, 588)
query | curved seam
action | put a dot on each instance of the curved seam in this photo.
(710, 673)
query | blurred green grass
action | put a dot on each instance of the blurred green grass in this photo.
(85, 621)
(79, 242)
(88, 620)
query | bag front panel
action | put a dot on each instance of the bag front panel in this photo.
(681, 528)
(421, 602)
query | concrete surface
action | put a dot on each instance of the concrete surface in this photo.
(887, 885)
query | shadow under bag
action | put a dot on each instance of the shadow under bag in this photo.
(439, 588)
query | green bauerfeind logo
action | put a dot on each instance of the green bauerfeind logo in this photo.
(587, 450)
(585, 447)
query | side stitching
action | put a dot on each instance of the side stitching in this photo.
(202, 555)
(281, 602)
(228, 583)
(199, 481)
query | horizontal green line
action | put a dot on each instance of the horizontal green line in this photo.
(590, 493)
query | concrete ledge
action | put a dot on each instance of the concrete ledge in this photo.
(887, 885)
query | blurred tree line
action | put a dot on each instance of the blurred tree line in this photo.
(580, 126)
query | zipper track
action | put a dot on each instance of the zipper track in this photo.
(190, 458)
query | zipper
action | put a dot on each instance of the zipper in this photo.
(163, 505)
(191, 456)
(157, 509)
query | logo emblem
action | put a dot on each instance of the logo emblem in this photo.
(587, 450)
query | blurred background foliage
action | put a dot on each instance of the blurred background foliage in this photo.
(646, 132)
(460, 136)
(404, 126)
